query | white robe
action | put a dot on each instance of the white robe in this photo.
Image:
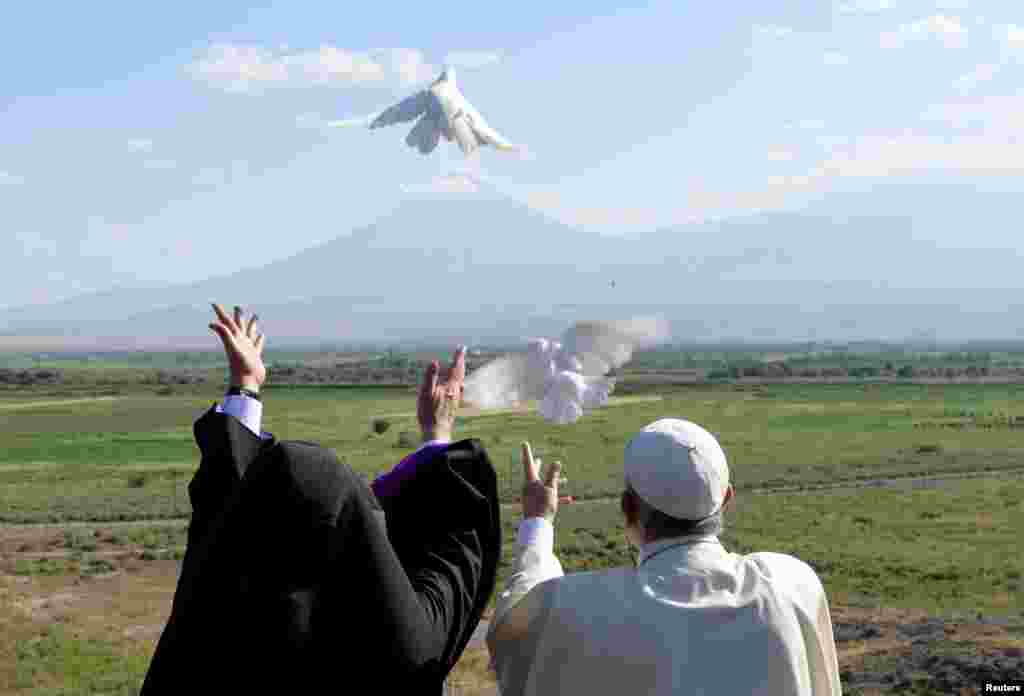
(692, 619)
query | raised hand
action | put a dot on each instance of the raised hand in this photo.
(439, 397)
(243, 346)
(540, 497)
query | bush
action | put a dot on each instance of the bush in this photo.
(906, 372)
(380, 425)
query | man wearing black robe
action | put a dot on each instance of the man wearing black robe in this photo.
(290, 581)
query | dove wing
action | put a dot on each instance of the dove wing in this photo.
(405, 110)
(483, 131)
(463, 133)
(424, 135)
(600, 346)
(500, 383)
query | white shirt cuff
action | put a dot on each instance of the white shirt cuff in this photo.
(247, 410)
(536, 531)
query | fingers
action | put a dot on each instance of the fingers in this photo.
(259, 343)
(251, 323)
(530, 468)
(552, 475)
(457, 371)
(429, 381)
(226, 320)
(238, 317)
(225, 335)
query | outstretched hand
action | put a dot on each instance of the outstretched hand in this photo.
(243, 346)
(439, 397)
(540, 497)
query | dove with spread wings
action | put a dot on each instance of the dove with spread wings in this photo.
(442, 110)
(568, 377)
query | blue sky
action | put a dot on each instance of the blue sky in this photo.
(154, 144)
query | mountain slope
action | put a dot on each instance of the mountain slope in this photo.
(490, 267)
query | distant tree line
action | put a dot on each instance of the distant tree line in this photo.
(779, 370)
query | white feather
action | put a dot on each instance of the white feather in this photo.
(445, 111)
(567, 377)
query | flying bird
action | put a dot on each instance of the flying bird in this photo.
(566, 377)
(442, 110)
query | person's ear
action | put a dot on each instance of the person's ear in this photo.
(730, 493)
(629, 508)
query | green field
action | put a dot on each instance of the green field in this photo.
(949, 546)
(131, 456)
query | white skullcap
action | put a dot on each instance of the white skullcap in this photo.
(678, 468)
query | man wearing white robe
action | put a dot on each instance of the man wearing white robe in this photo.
(690, 618)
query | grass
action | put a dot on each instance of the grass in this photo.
(131, 457)
(86, 665)
(938, 549)
(949, 549)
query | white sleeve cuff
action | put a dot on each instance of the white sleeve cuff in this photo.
(247, 410)
(536, 531)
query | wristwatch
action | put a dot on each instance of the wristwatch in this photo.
(242, 391)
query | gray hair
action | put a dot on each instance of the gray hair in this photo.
(662, 526)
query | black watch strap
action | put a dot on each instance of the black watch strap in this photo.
(242, 391)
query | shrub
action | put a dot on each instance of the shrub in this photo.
(380, 425)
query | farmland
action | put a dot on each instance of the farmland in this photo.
(905, 497)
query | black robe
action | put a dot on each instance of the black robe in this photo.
(289, 581)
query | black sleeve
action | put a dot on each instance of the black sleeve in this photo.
(433, 572)
(290, 583)
(227, 448)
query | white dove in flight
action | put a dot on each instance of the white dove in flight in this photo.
(567, 378)
(442, 110)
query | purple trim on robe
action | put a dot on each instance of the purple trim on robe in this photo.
(387, 484)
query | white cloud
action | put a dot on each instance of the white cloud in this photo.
(244, 68)
(1011, 35)
(1000, 115)
(883, 156)
(946, 30)
(835, 58)
(9, 179)
(410, 65)
(140, 145)
(808, 124)
(447, 183)
(983, 73)
(780, 154)
(772, 31)
(554, 204)
(472, 59)
(864, 6)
